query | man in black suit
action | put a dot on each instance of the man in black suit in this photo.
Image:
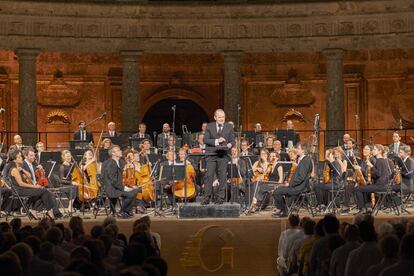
(162, 139)
(395, 146)
(114, 188)
(219, 138)
(288, 137)
(299, 182)
(111, 131)
(141, 134)
(82, 134)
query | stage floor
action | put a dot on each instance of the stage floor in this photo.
(238, 246)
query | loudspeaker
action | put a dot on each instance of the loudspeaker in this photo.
(196, 210)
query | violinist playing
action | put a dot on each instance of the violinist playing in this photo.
(68, 187)
(21, 181)
(259, 169)
(334, 174)
(31, 169)
(273, 178)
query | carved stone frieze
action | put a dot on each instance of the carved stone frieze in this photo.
(209, 28)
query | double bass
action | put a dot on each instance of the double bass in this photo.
(189, 184)
(88, 189)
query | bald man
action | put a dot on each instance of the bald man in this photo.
(219, 138)
(111, 131)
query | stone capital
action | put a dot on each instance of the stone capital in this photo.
(27, 53)
(130, 55)
(232, 56)
(333, 53)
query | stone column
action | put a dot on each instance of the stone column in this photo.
(27, 95)
(130, 91)
(232, 79)
(335, 111)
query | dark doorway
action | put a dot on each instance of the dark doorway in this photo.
(187, 113)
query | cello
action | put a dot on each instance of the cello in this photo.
(145, 180)
(190, 189)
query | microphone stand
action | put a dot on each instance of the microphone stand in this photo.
(100, 117)
(175, 157)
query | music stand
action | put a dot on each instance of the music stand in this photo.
(249, 159)
(173, 173)
(135, 142)
(78, 144)
(103, 155)
(232, 172)
(116, 140)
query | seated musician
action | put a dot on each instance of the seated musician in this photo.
(395, 146)
(237, 177)
(273, 178)
(167, 185)
(258, 136)
(259, 172)
(82, 134)
(298, 183)
(40, 147)
(106, 143)
(203, 128)
(20, 179)
(141, 134)
(245, 149)
(17, 143)
(145, 149)
(269, 144)
(200, 142)
(277, 147)
(111, 132)
(380, 179)
(90, 170)
(406, 163)
(113, 186)
(345, 140)
(334, 174)
(30, 166)
(171, 145)
(162, 138)
(68, 188)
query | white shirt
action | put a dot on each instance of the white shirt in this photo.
(32, 171)
(218, 128)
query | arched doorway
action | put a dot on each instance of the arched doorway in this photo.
(188, 113)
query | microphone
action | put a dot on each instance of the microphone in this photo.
(238, 107)
(102, 115)
(2, 109)
(316, 122)
(401, 125)
(173, 107)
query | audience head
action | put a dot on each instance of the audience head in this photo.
(407, 247)
(25, 255)
(388, 245)
(351, 232)
(134, 254)
(10, 264)
(367, 231)
(309, 227)
(294, 220)
(330, 224)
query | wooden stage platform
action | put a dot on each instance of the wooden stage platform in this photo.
(238, 246)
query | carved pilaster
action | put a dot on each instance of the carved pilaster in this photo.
(335, 110)
(130, 90)
(232, 79)
(27, 95)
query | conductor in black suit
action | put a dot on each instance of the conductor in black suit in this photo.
(112, 182)
(219, 138)
(82, 134)
(299, 182)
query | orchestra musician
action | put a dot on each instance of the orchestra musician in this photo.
(112, 183)
(111, 131)
(345, 140)
(258, 136)
(406, 163)
(162, 138)
(283, 156)
(106, 143)
(203, 128)
(220, 138)
(68, 187)
(20, 179)
(40, 147)
(269, 144)
(380, 178)
(200, 142)
(289, 137)
(82, 134)
(142, 132)
(167, 185)
(17, 143)
(171, 144)
(245, 148)
(237, 176)
(298, 183)
(394, 148)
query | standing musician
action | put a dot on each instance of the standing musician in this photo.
(111, 131)
(407, 168)
(112, 181)
(162, 139)
(82, 134)
(141, 134)
(68, 188)
(20, 179)
(394, 148)
(298, 183)
(218, 134)
(380, 178)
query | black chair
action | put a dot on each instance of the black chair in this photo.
(387, 200)
(23, 200)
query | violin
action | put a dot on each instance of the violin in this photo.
(292, 171)
(326, 174)
(397, 178)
